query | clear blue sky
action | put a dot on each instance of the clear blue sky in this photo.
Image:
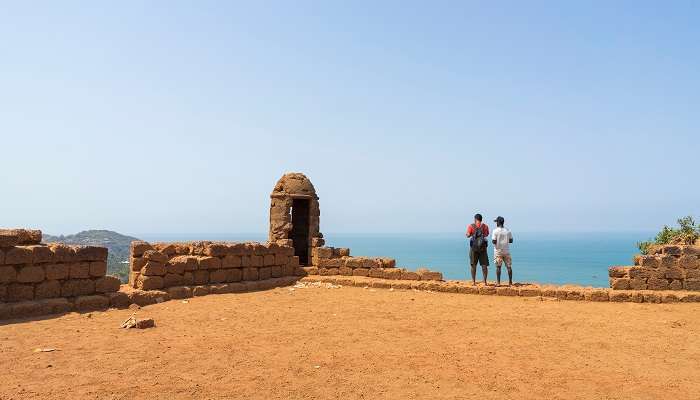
(173, 117)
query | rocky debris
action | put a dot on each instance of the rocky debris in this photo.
(133, 322)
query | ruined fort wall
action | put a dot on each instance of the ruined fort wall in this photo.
(671, 267)
(155, 266)
(328, 261)
(47, 276)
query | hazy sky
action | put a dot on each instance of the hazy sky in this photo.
(171, 117)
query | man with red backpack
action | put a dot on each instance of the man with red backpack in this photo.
(478, 233)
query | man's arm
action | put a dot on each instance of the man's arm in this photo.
(510, 237)
(470, 232)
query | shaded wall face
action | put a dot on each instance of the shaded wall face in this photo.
(163, 265)
(282, 230)
(30, 270)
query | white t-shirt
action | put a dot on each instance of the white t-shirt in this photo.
(502, 236)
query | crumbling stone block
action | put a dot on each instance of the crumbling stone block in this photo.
(676, 284)
(20, 292)
(303, 271)
(107, 284)
(651, 297)
(8, 274)
(346, 271)
(138, 248)
(530, 292)
(620, 283)
(208, 262)
(18, 255)
(639, 272)
(322, 252)
(30, 274)
(147, 297)
(619, 296)
(506, 291)
(360, 272)
(618, 272)
(173, 280)
(674, 273)
(672, 250)
(427, 275)
(276, 271)
(487, 290)
(376, 273)
(599, 295)
(256, 261)
(137, 263)
(201, 277)
(409, 276)
(98, 268)
(47, 290)
(217, 276)
(688, 262)
(235, 275)
(152, 268)
(155, 256)
(79, 270)
(118, 299)
(692, 284)
(57, 271)
(649, 261)
(638, 284)
(667, 261)
(41, 254)
(268, 260)
(150, 282)
(250, 274)
(657, 284)
(231, 261)
(91, 303)
(90, 253)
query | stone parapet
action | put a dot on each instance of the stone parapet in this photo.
(670, 267)
(31, 271)
(156, 266)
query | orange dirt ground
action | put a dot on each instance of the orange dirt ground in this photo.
(354, 343)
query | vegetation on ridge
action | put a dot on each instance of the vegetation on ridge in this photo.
(688, 232)
(118, 245)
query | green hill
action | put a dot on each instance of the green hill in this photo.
(118, 245)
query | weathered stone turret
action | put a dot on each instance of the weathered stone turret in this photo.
(295, 215)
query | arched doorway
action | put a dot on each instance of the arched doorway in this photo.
(295, 216)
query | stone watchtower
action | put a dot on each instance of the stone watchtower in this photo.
(295, 216)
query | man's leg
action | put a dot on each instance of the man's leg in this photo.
(509, 265)
(484, 261)
(472, 263)
(498, 261)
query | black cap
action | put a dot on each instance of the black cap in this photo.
(499, 220)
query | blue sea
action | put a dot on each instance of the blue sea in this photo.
(557, 258)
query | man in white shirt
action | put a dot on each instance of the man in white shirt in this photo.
(502, 238)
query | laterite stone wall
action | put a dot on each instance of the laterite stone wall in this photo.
(155, 266)
(670, 267)
(42, 278)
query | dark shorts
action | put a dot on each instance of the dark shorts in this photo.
(482, 257)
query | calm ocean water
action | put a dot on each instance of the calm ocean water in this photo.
(580, 258)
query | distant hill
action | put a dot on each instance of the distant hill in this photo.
(117, 244)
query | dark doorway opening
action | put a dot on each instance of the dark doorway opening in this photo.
(300, 229)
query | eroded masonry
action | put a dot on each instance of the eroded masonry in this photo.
(38, 278)
(295, 248)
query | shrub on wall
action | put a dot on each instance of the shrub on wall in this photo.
(688, 232)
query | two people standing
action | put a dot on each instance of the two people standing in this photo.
(478, 233)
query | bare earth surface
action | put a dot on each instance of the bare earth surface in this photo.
(354, 343)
